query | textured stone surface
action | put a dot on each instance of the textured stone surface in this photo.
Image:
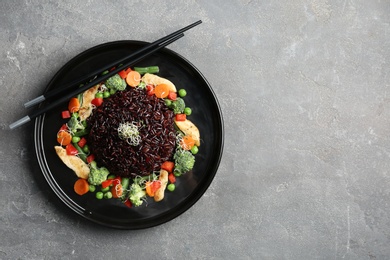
(304, 90)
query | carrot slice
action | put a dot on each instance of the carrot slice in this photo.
(161, 90)
(187, 142)
(81, 186)
(133, 78)
(117, 191)
(63, 137)
(148, 189)
(74, 105)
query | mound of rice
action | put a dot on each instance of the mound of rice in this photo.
(156, 130)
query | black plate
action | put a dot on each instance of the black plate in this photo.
(206, 114)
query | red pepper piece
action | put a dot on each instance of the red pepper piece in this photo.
(65, 114)
(128, 203)
(150, 90)
(180, 117)
(117, 180)
(97, 101)
(64, 127)
(155, 186)
(82, 142)
(71, 150)
(171, 178)
(172, 95)
(123, 73)
(90, 158)
(107, 183)
(168, 166)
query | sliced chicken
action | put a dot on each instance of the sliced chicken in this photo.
(73, 162)
(156, 80)
(189, 128)
(163, 178)
(86, 107)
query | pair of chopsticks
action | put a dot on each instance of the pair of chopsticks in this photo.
(72, 89)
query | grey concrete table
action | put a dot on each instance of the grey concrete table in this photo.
(304, 90)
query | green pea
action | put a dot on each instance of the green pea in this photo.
(187, 111)
(194, 149)
(182, 92)
(99, 195)
(110, 177)
(108, 195)
(75, 139)
(92, 188)
(106, 189)
(168, 102)
(171, 187)
(106, 94)
(99, 95)
(176, 173)
(86, 149)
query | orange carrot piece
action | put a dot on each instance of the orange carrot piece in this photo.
(117, 191)
(81, 186)
(161, 90)
(133, 78)
(74, 105)
(187, 142)
(148, 189)
(63, 137)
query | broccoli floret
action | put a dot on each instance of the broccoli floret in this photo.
(116, 83)
(75, 125)
(97, 175)
(136, 194)
(184, 161)
(178, 105)
(142, 85)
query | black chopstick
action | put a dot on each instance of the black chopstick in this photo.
(93, 74)
(67, 96)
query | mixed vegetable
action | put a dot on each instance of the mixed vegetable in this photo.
(73, 147)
